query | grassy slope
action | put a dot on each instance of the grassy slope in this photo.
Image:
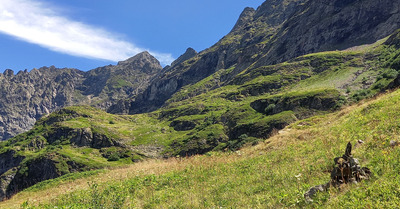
(257, 177)
(355, 74)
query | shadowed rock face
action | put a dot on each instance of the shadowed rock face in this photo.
(8, 161)
(27, 96)
(333, 25)
(394, 39)
(277, 31)
(16, 179)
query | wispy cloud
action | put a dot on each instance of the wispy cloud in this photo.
(38, 23)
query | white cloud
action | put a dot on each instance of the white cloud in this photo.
(37, 23)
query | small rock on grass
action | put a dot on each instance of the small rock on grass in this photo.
(394, 143)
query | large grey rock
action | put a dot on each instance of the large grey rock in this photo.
(82, 137)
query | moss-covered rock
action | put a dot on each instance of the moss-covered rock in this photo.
(324, 100)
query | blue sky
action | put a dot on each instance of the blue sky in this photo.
(85, 34)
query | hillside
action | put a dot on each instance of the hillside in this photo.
(274, 174)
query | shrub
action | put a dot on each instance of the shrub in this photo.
(270, 109)
(113, 157)
(390, 73)
(362, 94)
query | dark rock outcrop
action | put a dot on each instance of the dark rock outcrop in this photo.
(8, 160)
(5, 181)
(314, 100)
(48, 167)
(83, 137)
(182, 125)
(394, 39)
(258, 130)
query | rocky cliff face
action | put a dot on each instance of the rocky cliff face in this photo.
(332, 25)
(277, 31)
(27, 96)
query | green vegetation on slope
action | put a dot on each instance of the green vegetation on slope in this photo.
(274, 174)
(341, 77)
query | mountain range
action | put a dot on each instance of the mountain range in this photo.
(260, 37)
(27, 96)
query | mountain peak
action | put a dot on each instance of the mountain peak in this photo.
(145, 55)
(8, 73)
(190, 52)
(245, 17)
(143, 61)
